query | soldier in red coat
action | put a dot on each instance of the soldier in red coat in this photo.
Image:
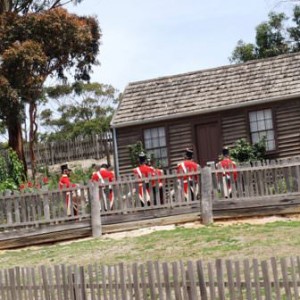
(229, 172)
(103, 175)
(157, 183)
(190, 182)
(141, 172)
(65, 183)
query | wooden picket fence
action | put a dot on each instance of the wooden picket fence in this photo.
(219, 280)
(96, 146)
(31, 218)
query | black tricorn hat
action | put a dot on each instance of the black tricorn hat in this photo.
(142, 157)
(225, 151)
(64, 167)
(189, 153)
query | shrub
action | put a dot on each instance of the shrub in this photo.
(245, 152)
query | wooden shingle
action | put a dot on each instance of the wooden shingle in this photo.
(209, 90)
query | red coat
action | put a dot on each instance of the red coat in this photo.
(187, 166)
(64, 182)
(103, 175)
(227, 164)
(144, 171)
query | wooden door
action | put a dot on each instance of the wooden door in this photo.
(207, 142)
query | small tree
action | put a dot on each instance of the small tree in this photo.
(134, 151)
(243, 151)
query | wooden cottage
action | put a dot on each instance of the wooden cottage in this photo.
(211, 108)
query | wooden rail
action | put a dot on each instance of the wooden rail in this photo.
(95, 147)
(230, 279)
(27, 219)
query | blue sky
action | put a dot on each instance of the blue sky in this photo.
(148, 39)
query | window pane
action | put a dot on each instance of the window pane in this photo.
(261, 125)
(161, 131)
(162, 141)
(155, 143)
(147, 134)
(255, 138)
(270, 135)
(253, 126)
(268, 113)
(271, 145)
(252, 116)
(269, 124)
(148, 144)
(260, 115)
(262, 134)
(154, 133)
(164, 152)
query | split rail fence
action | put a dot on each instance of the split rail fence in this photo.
(269, 189)
(218, 280)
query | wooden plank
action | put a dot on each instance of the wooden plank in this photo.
(192, 288)
(201, 280)
(266, 280)
(220, 279)
(12, 282)
(256, 279)
(143, 282)
(151, 278)
(116, 282)
(104, 285)
(182, 276)
(238, 280)
(276, 278)
(166, 280)
(247, 279)
(82, 284)
(91, 282)
(158, 280)
(285, 278)
(230, 279)
(177, 286)
(2, 285)
(136, 281)
(294, 278)
(58, 282)
(122, 275)
(211, 281)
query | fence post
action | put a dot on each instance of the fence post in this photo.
(46, 207)
(95, 210)
(206, 196)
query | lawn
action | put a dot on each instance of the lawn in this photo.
(236, 241)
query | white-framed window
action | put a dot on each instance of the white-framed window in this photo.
(261, 125)
(155, 143)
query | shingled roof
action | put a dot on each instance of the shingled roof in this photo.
(209, 90)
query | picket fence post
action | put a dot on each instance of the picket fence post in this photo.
(95, 210)
(206, 196)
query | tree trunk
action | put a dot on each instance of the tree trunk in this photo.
(5, 6)
(15, 140)
(32, 135)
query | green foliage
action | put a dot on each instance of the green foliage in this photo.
(273, 37)
(11, 171)
(28, 58)
(243, 151)
(134, 151)
(84, 109)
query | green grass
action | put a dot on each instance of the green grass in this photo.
(279, 239)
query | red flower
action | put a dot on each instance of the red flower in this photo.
(22, 186)
(30, 184)
(45, 180)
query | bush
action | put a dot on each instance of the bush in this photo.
(245, 152)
